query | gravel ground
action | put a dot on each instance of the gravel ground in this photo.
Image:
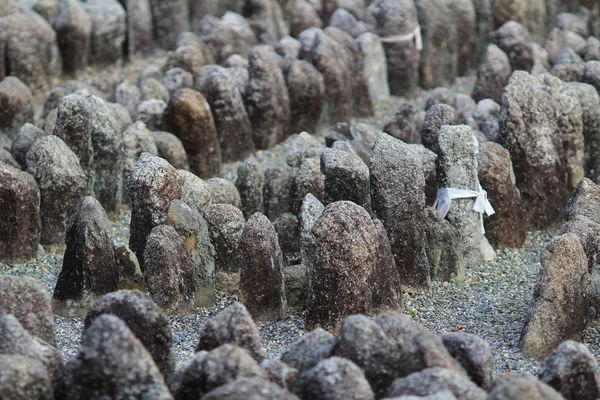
(492, 303)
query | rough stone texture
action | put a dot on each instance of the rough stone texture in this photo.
(152, 88)
(62, 183)
(170, 17)
(87, 126)
(109, 27)
(194, 230)
(569, 66)
(287, 47)
(225, 225)
(362, 104)
(151, 113)
(529, 131)
(129, 96)
(457, 168)
(433, 380)
(29, 302)
(15, 340)
(591, 51)
(441, 245)
(591, 74)
(137, 139)
(249, 183)
(20, 213)
(334, 379)
(310, 211)
(24, 378)
(266, 99)
(387, 18)
(521, 386)
(223, 191)
(374, 66)
(385, 280)
(560, 297)
(509, 226)
(439, 58)
(16, 106)
(130, 273)
(436, 117)
(492, 75)
(89, 267)
(277, 190)
(250, 388)
(442, 95)
(278, 372)
(233, 325)
(323, 52)
(266, 19)
(486, 115)
(541, 60)
(296, 285)
(30, 50)
(171, 149)
(584, 202)
(233, 124)
(362, 341)
(188, 116)
(397, 187)
(206, 371)
(406, 124)
(226, 36)
(557, 40)
(303, 146)
(306, 90)
(261, 277)
(308, 179)
(346, 21)
(152, 184)
(73, 32)
(304, 16)
(194, 191)
(343, 237)
(473, 354)
(514, 40)
(121, 115)
(346, 178)
(590, 111)
(572, 370)
(139, 28)
(113, 363)
(177, 78)
(170, 271)
(301, 355)
(464, 17)
(287, 227)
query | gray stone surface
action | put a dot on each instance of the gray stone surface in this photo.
(560, 298)
(233, 325)
(343, 235)
(112, 362)
(457, 169)
(152, 184)
(62, 183)
(87, 126)
(397, 188)
(21, 229)
(108, 31)
(387, 18)
(572, 371)
(334, 379)
(260, 260)
(493, 74)
(346, 178)
(250, 183)
(24, 378)
(15, 105)
(188, 116)
(89, 267)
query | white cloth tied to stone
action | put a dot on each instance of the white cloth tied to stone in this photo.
(446, 195)
(415, 34)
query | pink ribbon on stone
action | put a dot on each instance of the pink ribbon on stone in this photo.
(415, 34)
